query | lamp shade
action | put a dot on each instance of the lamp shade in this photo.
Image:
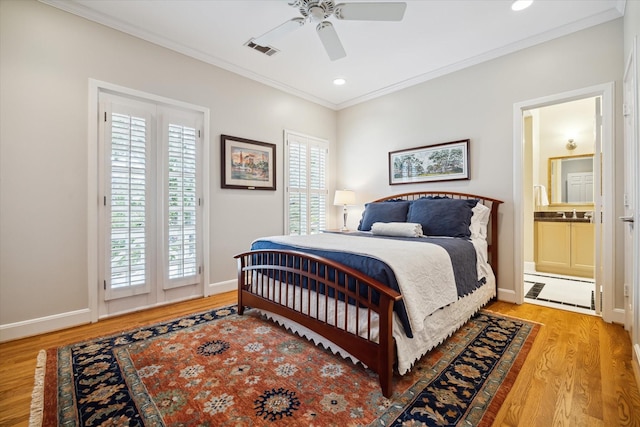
(344, 197)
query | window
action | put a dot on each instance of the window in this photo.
(151, 178)
(306, 162)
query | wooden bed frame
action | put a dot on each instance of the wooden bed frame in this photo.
(255, 268)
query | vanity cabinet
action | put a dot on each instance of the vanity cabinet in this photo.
(564, 247)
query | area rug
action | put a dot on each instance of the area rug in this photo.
(221, 369)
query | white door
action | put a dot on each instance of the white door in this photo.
(601, 263)
(150, 244)
(580, 187)
(631, 202)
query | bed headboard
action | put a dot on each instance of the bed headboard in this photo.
(492, 226)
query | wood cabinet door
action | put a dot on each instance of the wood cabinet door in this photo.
(582, 246)
(553, 246)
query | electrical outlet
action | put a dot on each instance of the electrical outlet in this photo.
(626, 290)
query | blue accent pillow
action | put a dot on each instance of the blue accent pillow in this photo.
(443, 217)
(383, 212)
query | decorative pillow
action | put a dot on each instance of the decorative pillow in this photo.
(383, 212)
(443, 217)
(479, 221)
(398, 229)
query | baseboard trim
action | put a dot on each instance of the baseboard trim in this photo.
(41, 325)
(618, 316)
(635, 362)
(221, 287)
(507, 295)
(56, 322)
(529, 267)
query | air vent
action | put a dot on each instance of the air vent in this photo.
(267, 50)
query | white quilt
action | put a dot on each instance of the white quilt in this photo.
(423, 270)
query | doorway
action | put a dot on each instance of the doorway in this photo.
(603, 204)
(148, 234)
(559, 255)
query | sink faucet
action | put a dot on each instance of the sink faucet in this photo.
(575, 216)
(589, 215)
(562, 214)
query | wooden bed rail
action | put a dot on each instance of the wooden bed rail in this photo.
(279, 282)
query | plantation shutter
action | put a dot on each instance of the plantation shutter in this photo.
(181, 204)
(151, 219)
(128, 200)
(317, 189)
(306, 178)
(298, 201)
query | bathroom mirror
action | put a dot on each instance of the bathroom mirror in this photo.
(571, 180)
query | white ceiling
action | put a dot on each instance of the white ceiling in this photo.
(434, 38)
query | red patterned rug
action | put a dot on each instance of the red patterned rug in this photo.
(221, 369)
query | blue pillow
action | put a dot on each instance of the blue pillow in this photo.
(383, 212)
(443, 217)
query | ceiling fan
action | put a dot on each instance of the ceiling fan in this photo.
(318, 11)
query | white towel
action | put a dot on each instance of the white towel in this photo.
(399, 229)
(540, 195)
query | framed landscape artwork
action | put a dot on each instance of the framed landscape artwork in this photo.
(448, 161)
(248, 164)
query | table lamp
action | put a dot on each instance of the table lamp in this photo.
(344, 198)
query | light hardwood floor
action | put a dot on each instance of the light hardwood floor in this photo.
(578, 373)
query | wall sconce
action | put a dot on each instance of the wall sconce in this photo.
(344, 198)
(571, 145)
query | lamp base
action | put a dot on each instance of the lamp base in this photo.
(344, 220)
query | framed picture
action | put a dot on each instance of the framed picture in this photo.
(247, 164)
(448, 161)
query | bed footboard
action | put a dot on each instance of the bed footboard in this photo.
(337, 302)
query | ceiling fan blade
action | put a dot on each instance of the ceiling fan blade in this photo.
(330, 40)
(270, 36)
(370, 11)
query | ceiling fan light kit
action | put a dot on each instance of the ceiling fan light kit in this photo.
(318, 11)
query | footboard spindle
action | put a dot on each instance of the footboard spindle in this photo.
(351, 310)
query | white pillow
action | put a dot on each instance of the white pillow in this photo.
(479, 221)
(397, 229)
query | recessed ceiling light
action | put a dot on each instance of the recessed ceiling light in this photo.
(521, 4)
(339, 81)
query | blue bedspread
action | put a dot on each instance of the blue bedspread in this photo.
(461, 252)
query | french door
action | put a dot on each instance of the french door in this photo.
(150, 207)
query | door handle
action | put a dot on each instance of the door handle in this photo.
(626, 218)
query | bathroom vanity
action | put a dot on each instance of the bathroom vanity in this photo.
(564, 243)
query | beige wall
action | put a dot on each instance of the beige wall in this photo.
(46, 59)
(475, 103)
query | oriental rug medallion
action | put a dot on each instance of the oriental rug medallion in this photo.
(220, 369)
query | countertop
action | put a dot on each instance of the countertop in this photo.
(555, 216)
